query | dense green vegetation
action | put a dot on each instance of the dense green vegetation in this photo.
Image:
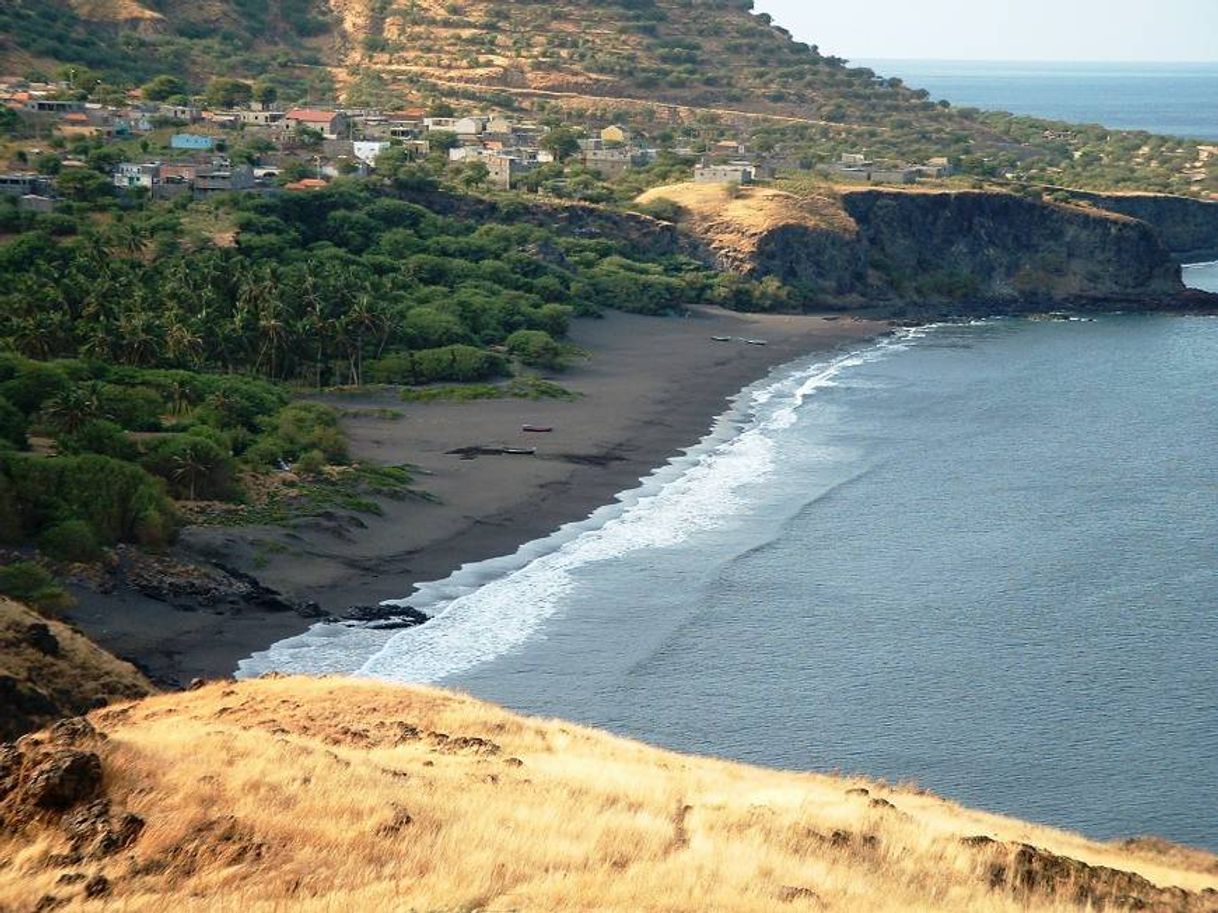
(148, 364)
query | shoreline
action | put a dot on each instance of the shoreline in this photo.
(650, 388)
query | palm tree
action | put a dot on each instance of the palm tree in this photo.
(72, 408)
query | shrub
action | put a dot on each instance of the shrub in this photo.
(194, 467)
(535, 348)
(114, 498)
(31, 583)
(71, 540)
(448, 363)
(311, 463)
(12, 425)
(98, 436)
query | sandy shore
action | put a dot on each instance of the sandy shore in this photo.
(650, 388)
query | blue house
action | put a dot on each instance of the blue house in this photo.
(193, 141)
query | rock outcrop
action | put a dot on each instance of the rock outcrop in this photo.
(49, 671)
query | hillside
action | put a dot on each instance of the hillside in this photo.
(683, 71)
(49, 671)
(340, 794)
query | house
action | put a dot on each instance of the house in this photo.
(33, 202)
(615, 134)
(611, 163)
(331, 124)
(467, 127)
(502, 170)
(894, 176)
(727, 147)
(129, 175)
(48, 106)
(223, 179)
(732, 173)
(179, 112)
(259, 117)
(195, 142)
(21, 183)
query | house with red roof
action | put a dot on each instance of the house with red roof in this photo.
(332, 124)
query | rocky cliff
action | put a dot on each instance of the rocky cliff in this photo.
(1188, 227)
(930, 252)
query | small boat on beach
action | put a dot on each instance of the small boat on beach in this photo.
(537, 429)
(721, 338)
(519, 451)
(756, 342)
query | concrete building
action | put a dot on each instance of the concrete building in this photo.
(331, 124)
(21, 183)
(615, 134)
(129, 175)
(223, 179)
(611, 163)
(195, 142)
(732, 173)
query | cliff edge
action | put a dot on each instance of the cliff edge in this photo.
(345, 794)
(925, 250)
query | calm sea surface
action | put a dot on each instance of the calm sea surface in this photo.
(1171, 98)
(981, 557)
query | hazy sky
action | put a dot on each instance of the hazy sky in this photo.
(1160, 30)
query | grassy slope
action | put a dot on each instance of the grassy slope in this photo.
(338, 794)
(79, 677)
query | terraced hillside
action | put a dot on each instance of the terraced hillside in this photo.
(683, 70)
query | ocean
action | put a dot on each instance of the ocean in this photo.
(1177, 99)
(983, 558)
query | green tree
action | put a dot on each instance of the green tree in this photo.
(561, 142)
(163, 87)
(223, 92)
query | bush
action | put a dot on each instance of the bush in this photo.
(448, 363)
(535, 348)
(98, 436)
(32, 584)
(71, 540)
(311, 463)
(12, 425)
(193, 467)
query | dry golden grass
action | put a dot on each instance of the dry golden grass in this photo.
(77, 676)
(733, 220)
(346, 795)
(114, 11)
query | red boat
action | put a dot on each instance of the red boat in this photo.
(537, 429)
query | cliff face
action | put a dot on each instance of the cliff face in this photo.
(959, 252)
(1188, 227)
(1004, 249)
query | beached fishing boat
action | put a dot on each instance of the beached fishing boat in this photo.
(519, 451)
(537, 429)
(757, 342)
(721, 338)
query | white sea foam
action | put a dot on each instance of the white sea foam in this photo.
(490, 607)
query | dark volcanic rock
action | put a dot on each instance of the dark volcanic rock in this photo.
(39, 636)
(385, 617)
(63, 778)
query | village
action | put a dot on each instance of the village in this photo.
(187, 149)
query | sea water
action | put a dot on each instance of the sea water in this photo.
(1179, 99)
(984, 558)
